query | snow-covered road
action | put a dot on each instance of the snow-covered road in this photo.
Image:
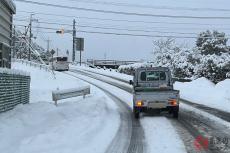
(155, 142)
(103, 122)
(195, 124)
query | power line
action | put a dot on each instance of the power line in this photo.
(110, 28)
(117, 27)
(151, 6)
(120, 20)
(127, 34)
(122, 13)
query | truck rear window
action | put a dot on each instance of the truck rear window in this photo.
(62, 59)
(152, 76)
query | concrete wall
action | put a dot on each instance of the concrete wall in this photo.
(14, 90)
(7, 9)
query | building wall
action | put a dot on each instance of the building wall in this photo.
(7, 9)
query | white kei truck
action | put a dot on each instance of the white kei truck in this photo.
(153, 90)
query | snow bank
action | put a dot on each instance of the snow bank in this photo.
(76, 125)
(205, 92)
(43, 82)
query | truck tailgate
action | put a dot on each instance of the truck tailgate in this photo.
(157, 96)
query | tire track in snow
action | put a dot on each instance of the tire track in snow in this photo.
(130, 136)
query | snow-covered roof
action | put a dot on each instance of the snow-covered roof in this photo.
(13, 71)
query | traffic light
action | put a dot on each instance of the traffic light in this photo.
(60, 31)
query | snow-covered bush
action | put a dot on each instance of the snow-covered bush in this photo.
(214, 67)
(130, 69)
(210, 43)
(214, 56)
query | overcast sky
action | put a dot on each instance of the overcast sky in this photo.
(99, 46)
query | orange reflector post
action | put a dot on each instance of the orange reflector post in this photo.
(173, 102)
(139, 103)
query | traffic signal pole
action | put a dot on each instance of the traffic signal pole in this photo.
(74, 38)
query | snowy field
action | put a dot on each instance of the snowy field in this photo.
(201, 91)
(76, 125)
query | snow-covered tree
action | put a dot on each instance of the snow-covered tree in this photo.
(212, 43)
(214, 67)
(169, 54)
(162, 51)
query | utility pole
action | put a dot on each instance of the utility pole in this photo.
(30, 37)
(74, 38)
(57, 51)
(48, 45)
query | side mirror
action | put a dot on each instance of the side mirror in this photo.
(131, 82)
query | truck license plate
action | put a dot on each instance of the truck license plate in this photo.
(156, 105)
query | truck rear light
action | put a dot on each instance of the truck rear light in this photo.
(139, 103)
(173, 102)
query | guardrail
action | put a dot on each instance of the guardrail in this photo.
(110, 62)
(14, 89)
(70, 93)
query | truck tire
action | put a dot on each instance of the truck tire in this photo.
(175, 114)
(136, 113)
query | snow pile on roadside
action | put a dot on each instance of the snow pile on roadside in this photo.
(75, 126)
(161, 136)
(205, 92)
(44, 82)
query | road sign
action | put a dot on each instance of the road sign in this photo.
(79, 44)
(52, 52)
